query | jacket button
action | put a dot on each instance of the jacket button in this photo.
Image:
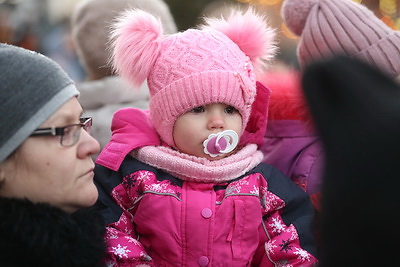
(206, 213)
(203, 261)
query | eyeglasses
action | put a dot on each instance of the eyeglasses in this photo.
(69, 133)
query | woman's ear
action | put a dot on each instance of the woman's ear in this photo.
(2, 174)
(4, 166)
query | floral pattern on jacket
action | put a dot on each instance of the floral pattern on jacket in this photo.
(259, 219)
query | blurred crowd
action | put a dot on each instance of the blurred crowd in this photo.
(43, 26)
(47, 28)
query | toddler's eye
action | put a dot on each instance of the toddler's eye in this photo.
(198, 109)
(230, 110)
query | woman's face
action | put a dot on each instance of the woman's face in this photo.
(42, 170)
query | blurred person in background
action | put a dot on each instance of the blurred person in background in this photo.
(350, 29)
(104, 92)
(325, 28)
(356, 109)
(16, 27)
(42, 26)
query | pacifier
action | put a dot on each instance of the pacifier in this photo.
(221, 143)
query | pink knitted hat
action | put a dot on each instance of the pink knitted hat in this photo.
(196, 67)
(328, 27)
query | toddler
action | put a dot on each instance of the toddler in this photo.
(183, 184)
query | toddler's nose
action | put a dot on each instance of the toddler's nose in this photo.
(216, 121)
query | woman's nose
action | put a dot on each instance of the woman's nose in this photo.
(89, 145)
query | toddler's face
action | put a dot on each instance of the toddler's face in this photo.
(193, 127)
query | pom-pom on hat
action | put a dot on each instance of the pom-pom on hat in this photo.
(329, 27)
(214, 64)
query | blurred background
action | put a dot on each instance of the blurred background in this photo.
(44, 25)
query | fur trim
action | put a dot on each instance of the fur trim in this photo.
(287, 101)
(250, 32)
(136, 41)
(42, 235)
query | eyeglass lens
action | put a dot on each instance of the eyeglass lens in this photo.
(72, 132)
(71, 135)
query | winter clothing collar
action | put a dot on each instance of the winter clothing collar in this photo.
(42, 235)
(131, 129)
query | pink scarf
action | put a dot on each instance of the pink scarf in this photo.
(191, 168)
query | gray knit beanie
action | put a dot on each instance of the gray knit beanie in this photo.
(32, 88)
(90, 26)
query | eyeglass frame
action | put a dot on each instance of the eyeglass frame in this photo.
(85, 123)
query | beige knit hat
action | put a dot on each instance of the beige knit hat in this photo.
(330, 27)
(91, 21)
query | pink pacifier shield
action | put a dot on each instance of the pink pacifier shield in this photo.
(215, 147)
(221, 143)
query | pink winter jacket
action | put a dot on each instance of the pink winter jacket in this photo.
(247, 216)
